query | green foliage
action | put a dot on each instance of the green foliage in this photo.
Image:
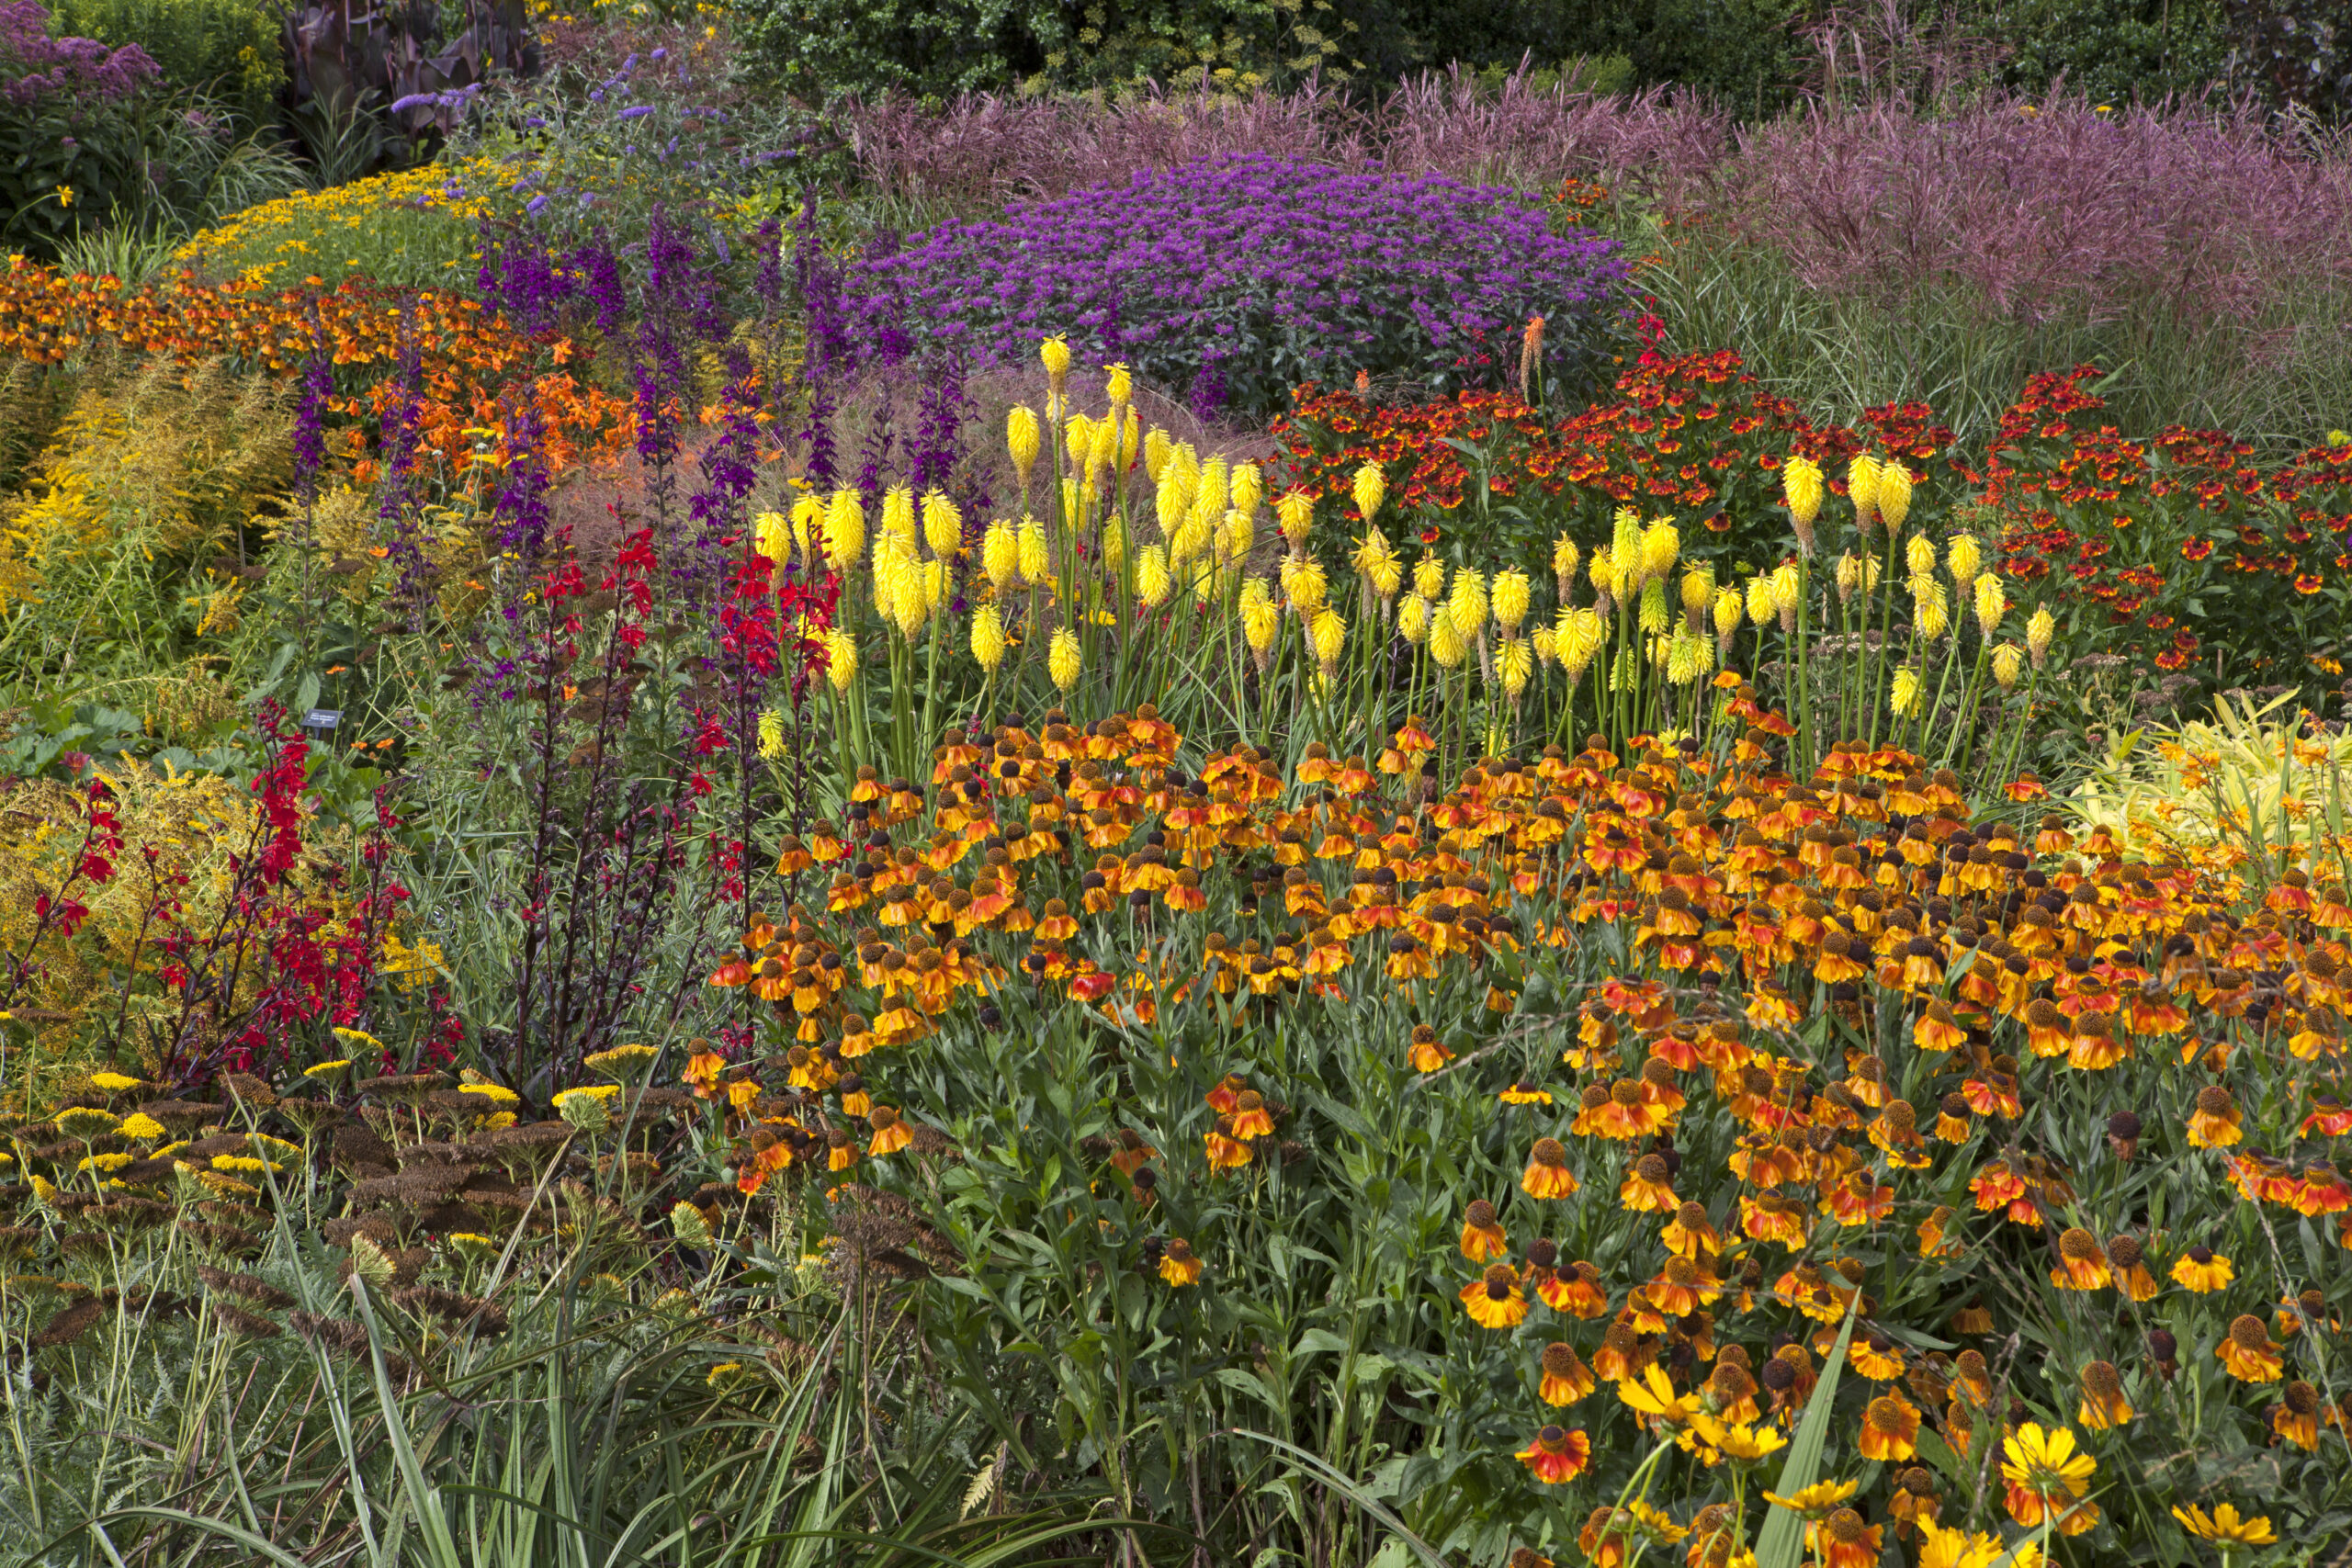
(1741, 49)
(279, 1382)
(228, 49)
(2114, 50)
(153, 167)
(1746, 52)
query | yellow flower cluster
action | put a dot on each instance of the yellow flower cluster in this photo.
(319, 232)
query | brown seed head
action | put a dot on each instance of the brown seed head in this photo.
(2247, 1333)
(2078, 1245)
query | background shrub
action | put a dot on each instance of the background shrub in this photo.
(1745, 51)
(2113, 50)
(1233, 281)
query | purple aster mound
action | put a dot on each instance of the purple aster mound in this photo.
(1230, 281)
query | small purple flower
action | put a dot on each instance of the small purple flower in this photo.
(534, 205)
(636, 111)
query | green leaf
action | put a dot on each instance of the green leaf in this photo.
(1781, 1544)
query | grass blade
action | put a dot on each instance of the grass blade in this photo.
(1781, 1544)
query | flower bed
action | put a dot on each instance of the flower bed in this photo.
(1231, 280)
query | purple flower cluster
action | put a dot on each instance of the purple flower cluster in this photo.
(1230, 281)
(35, 66)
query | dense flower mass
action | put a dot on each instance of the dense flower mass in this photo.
(2147, 548)
(1817, 1019)
(1228, 282)
(457, 365)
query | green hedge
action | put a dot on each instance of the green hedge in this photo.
(1744, 49)
(1753, 54)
